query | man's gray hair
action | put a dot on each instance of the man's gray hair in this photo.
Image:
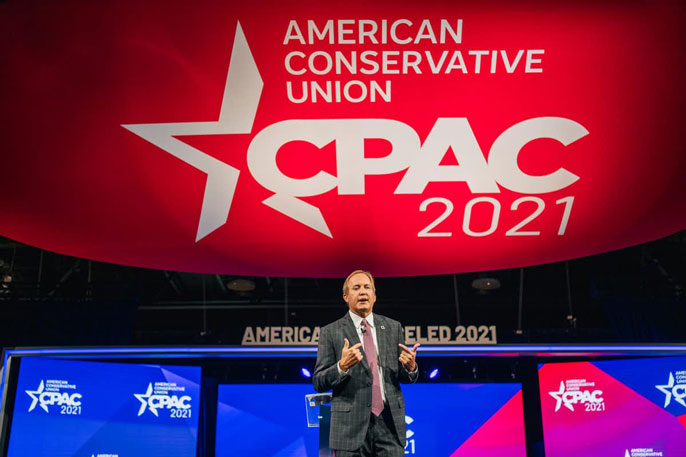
(369, 275)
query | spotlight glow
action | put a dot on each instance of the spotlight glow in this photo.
(433, 373)
(306, 372)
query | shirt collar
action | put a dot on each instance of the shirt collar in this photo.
(357, 320)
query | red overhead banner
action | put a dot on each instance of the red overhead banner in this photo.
(307, 139)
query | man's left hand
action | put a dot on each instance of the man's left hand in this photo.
(408, 356)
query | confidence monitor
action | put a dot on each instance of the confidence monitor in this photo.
(65, 408)
(626, 408)
(443, 419)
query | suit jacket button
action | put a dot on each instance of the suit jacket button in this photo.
(369, 384)
(369, 404)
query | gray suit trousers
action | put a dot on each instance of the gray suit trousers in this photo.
(381, 439)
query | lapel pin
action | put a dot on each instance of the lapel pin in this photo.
(383, 328)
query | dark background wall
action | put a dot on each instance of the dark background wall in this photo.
(631, 295)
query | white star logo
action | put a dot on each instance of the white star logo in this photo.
(239, 104)
(668, 390)
(558, 396)
(143, 398)
(35, 394)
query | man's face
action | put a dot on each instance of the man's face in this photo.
(360, 297)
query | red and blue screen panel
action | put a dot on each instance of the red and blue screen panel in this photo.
(627, 408)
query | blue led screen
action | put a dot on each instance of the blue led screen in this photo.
(443, 419)
(66, 408)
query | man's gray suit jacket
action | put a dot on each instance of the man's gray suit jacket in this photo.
(351, 404)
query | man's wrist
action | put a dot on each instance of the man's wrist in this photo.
(341, 371)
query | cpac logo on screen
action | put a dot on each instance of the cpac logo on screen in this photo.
(570, 398)
(672, 389)
(153, 402)
(421, 159)
(643, 452)
(45, 398)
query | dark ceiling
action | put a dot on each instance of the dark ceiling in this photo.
(634, 294)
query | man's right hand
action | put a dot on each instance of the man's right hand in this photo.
(350, 355)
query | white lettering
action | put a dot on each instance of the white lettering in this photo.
(425, 32)
(422, 161)
(394, 35)
(313, 30)
(293, 33)
(530, 61)
(344, 31)
(289, 68)
(502, 158)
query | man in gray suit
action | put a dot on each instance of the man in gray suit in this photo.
(363, 359)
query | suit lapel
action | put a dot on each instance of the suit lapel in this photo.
(382, 338)
(350, 332)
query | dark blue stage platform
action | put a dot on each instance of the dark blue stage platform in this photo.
(523, 400)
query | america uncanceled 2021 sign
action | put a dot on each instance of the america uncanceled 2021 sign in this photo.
(307, 139)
